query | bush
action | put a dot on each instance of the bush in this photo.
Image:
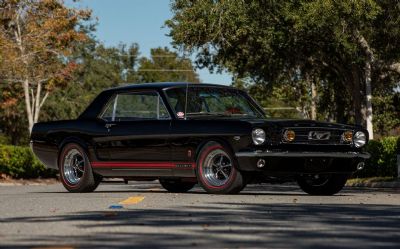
(383, 161)
(19, 162)
(3, 139)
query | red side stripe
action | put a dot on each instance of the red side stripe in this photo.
(164, 165)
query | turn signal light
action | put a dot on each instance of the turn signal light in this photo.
(289, 135)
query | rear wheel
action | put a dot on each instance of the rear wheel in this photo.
(176, 186)
(216, 170)
(75, 170)
(322, 184)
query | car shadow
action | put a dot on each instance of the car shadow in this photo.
(255, 225)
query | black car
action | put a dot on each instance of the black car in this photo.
(183, 134)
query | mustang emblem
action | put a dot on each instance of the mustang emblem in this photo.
(319, 135)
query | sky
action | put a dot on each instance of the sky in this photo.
(139, 21)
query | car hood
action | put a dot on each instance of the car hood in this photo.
(280, 123)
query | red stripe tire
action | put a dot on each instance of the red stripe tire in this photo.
(75, 170)
(216, 170)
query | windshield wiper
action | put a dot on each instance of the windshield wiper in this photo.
(219, 114)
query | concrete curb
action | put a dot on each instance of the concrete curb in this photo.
(394, 184)
(12, 182)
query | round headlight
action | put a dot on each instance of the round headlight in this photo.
(359, 139)
(258, 136)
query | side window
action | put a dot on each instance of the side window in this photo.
(135, 106)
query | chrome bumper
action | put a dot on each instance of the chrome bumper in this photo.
(304, 154)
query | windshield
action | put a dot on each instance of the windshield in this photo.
(211, 101)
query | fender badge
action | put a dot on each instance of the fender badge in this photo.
(180, 114)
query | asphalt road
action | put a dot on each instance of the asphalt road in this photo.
(262, 216)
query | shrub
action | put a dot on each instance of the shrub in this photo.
(383, 161)
(19, 162)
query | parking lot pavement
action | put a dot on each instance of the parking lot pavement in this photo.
(142, 215)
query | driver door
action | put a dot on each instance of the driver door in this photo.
(136, 129)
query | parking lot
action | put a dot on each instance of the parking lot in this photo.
(262, 216)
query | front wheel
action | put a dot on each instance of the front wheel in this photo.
(216, 170)
(322, 184)
(75, 170)
(176, 186)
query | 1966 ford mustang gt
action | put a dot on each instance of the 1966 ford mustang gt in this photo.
(183, 134)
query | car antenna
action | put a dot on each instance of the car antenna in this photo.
(186, 98)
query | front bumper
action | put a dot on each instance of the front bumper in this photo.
(289, 162)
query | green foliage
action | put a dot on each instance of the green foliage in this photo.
(3, 139)
(99, 68)
(287, 43)
(383, 161)
(12, 114)
(387, 113)
(19, 162)
(166, 66)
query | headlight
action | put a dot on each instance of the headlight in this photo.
(359, 139)
(289, 135)
(258, 136)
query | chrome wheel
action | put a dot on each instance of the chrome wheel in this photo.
(217, 168)
(74, 166)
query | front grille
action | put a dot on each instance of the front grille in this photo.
(316, 136)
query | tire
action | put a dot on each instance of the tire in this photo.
(176, 186)
(323, 185)
(75, 170)
(216, 170)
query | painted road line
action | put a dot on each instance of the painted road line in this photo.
(54, 247)
(132, 200)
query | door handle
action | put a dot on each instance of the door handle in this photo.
(108, 126)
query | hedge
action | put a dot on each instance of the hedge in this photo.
(383, 161)
(19, 162)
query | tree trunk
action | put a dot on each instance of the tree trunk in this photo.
(357, 107)
(25, 84)
(368, 93)
(28, 106)
(313, 100)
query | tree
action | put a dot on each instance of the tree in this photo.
(12, 115)
(99, 68)
(36, 38)
(352, 44)
(166, 66)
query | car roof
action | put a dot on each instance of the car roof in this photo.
(161, 85)
(95, 107)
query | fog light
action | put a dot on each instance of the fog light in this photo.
(260, 163)
(347, 136)
(360, 166)
(289, 135)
